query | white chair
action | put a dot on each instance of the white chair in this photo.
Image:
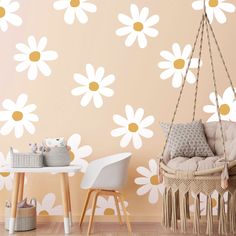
(106, 176)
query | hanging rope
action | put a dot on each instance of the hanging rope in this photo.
(198, 69)
(183, 84)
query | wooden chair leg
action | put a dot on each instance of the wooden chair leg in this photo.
(118, 208)
(21, 187)
(65, 203)
(90, 191)
(14, 202)
(125, 212)
(93, 211)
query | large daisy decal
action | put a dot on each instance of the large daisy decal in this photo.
(47, 206)
(149, 182)
(6, 178)
(133, 127)
(78, 153)
(93, 86)
(175, 65)
(7, 14)
(107, 206)
(18, 116)
(215, 9)
(75, 9)
(138, 26)
(227, 106)
(33, 57)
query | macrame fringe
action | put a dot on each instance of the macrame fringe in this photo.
(174, 225)
(196, 216)
(209, 229)
(222, 229)
(183, 211)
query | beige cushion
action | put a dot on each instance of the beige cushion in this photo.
(213, 135)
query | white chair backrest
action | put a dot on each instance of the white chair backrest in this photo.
(109, 173)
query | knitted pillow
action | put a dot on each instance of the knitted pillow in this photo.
(187, 140)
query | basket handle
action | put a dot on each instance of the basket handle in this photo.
(33, 202)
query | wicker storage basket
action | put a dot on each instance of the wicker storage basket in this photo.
(57, 156)
(18, 160)
(25, 217)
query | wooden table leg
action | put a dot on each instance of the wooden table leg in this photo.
(69, 199)
(64, 194)
(14, 202)
(21, 187)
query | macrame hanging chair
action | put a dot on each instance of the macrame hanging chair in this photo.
(179, 185)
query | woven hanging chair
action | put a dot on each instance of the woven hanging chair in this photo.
(179, 184)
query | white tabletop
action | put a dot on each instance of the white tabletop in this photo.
(59, 169)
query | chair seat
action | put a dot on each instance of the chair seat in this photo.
(195, 163)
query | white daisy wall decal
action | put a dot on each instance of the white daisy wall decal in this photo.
(7, 14)
(175, 65)
(149, 181)
(215, 9)
(78, 153)
(47, 207)
(6, 178)
(227, 106)
(18, 116)
(133, 127)
(106, 206)
(138, 26)
(94, 86)
(34, 57)
(75, 9)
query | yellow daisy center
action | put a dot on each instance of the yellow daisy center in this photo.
(213, 3)
(75, 3)
(109, 212)
(34, 56)
(5, 174)
(133, 127)
(72, 156)
(154, 180)
(213, 202)
(179, 63)
(17, 115)
(138, 26)
(43, 213)
(224, 109)
(2, 12)
(93, 86)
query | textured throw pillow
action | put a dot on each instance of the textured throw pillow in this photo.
(187, 140)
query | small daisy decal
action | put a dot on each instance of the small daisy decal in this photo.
(33, 57)
(6, 178)
(133, 127)
(78, 153)
(227, 106)
(47, 207)
(215, 9)
(93, 86)
(18, 116)
(7, 14)
(75, 9)
(176, 63)
(203, 203)
(138, 26)
(149, 181)
(106, 206)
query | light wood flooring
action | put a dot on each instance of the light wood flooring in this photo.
(102, 229)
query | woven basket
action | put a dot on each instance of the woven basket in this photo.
(25, 217)
(30, 160)
(57, 156)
